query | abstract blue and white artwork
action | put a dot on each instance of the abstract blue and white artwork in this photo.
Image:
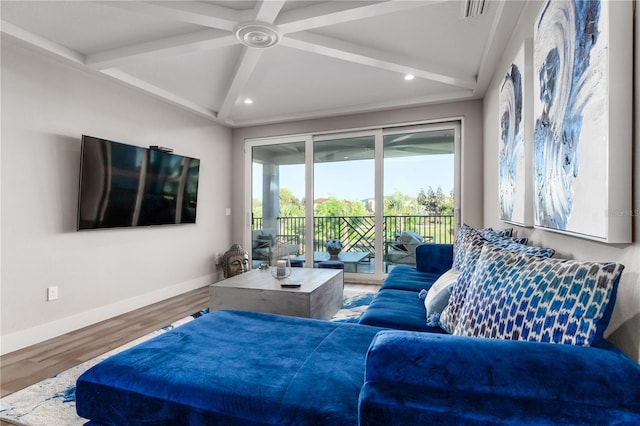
(571, 76)
(514, 182)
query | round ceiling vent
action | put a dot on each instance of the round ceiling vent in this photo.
(257, 34)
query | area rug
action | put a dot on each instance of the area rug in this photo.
(51, 402)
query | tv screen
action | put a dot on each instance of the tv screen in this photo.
(124, 185)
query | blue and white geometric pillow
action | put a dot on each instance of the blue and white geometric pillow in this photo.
(470, 242)
(517, 296)
(500, 238)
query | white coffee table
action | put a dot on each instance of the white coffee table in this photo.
(320, 294)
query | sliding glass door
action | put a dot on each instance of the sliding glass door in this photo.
(376, 194)
(344, 199)
(419, 190)
(277, 199)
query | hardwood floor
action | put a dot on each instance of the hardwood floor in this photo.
(30, 365)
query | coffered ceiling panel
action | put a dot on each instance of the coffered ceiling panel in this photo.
(324, 85)
(210, 72)
(294, 59)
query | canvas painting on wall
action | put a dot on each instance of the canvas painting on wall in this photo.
(514, 158)
(582, 108)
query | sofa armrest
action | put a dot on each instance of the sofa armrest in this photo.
(503, 368)
(434, 258)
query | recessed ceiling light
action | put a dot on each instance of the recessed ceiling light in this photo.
(248, 101)
(409, 77)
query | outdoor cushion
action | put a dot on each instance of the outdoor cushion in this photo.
(233, 368)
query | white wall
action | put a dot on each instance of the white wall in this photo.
(47, 105)
(471, 146)
(624, 329)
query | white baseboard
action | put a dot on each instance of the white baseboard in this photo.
(23, 338)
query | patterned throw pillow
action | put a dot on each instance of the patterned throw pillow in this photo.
(517, 296)
(469, 246)
(504, 236)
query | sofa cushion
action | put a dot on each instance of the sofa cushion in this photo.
(404, 277)
(438, 295)
(434, 258)
(517, 296)
(233, 368)
(399, 309)
(466, 254)
(426, 378)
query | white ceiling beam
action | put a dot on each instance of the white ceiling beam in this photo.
(42, 43)
(160, 93)
(455, 95)
(265, 11)
(268, 10)
(336, 12)
(362, 55)
(246, 65)
(198, 13)
(497, 40)
(171, 46)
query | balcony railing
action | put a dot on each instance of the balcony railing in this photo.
(357, 232)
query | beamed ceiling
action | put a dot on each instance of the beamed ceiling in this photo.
(327, 57)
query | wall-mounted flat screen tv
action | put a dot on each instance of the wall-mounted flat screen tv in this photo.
(124, 185)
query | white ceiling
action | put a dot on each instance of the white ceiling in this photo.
(333, 57)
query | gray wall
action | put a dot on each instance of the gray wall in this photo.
(624, 329)
(47, 105)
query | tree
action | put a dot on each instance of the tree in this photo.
(290, 205)
(446, 208)
(337, 208)
(422, 199)
(399, 204)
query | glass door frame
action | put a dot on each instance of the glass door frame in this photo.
(378, 132)
(377, 275)
(249, 144)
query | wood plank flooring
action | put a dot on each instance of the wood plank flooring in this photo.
(30, 365)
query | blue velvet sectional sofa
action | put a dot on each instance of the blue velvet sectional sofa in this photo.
(518, 340)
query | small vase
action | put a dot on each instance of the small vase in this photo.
(280, 261)
(333, 253)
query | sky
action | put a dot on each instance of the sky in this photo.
(354, 180)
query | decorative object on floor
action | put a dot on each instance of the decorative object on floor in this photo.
(334, 247)
(515, 157)
(582, 108)
(235, 261)
(280, 260)
(52, 401)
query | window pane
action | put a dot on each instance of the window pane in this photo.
(277, 199)
(418, 191)
(344, 177)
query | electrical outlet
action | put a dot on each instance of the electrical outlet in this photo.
(52, 293)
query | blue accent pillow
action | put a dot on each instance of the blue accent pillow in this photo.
(469, 246)
(517, 296)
